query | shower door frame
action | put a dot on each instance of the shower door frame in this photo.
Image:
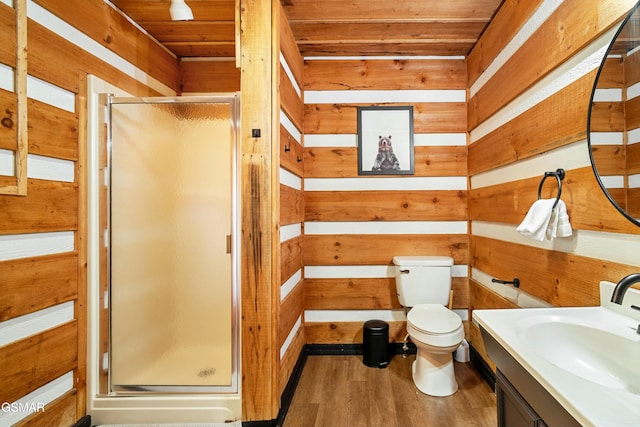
(233, 100)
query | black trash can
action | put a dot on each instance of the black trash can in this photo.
(375, 343)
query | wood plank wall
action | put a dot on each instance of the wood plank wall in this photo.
(354, 225)
(42, 250)
(527, 115)
(291, 334)
(213, 76)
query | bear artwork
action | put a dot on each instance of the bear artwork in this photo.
(385, 160)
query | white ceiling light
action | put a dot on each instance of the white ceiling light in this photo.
(180, 11)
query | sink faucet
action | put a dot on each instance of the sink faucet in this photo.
(622, 286)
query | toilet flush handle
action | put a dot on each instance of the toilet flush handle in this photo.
(405, 271)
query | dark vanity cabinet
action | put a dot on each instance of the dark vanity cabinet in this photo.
(513, 410)
(521, 399)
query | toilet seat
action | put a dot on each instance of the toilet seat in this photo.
(433, 319)
(435, 325)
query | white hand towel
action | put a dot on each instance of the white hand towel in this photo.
(559, 225)
(553, 223)
(535, 223)
(564, 226)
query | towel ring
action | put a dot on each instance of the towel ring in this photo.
(559, 174)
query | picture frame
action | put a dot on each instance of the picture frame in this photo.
(385, 140)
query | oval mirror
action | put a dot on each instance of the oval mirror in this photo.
(613, 126)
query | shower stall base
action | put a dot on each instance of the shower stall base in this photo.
(165, 410)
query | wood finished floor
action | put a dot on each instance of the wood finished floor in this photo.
(339, 391)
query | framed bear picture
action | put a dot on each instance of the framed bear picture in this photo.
(385, 141)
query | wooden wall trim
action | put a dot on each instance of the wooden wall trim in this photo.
(291, 103)
(610, 159)
(342, 162)
(351, 332)
(289, 49)
(32, 284)
(292, 205)
(367, 249)
(37, 360)
(8, 134)
(631, 70)
(291, 157)
(615, 73)
(60, 412)
(52, 132)
(81, 244)
(607, 117)
(290, 310)
(587, 206)
(51, 206)
(347, 332)
(385, 74)
(209, 76)
(424, 205)
(290, 358)
(366, 293)
(632, 164)
(8, 47)
(631, 113)
(564, 115)
(566, 279)
(444, 117)
(112, 30)
(290, 257)
(509, 19)
(524, 68)
(57, 61)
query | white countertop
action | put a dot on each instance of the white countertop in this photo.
(590, 403)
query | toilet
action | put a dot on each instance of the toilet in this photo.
(423, 285)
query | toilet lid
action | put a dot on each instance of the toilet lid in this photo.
(433, 319)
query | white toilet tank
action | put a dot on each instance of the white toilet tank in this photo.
(423, 279)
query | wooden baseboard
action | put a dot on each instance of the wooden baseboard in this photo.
(267, 423)
(352, 349)
(83, 422)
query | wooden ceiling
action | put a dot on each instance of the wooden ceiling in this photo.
(327, 27)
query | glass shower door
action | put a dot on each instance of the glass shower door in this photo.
(171, 263)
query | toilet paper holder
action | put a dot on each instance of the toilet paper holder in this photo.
(515, 282)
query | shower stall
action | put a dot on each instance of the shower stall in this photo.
(165, 301)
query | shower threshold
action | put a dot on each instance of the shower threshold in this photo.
(128, 390)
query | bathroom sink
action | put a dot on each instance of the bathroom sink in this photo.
(586, 358)
(585, 349)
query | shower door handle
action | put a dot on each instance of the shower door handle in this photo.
(228, 243)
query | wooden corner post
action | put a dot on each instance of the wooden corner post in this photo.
(260, 400)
